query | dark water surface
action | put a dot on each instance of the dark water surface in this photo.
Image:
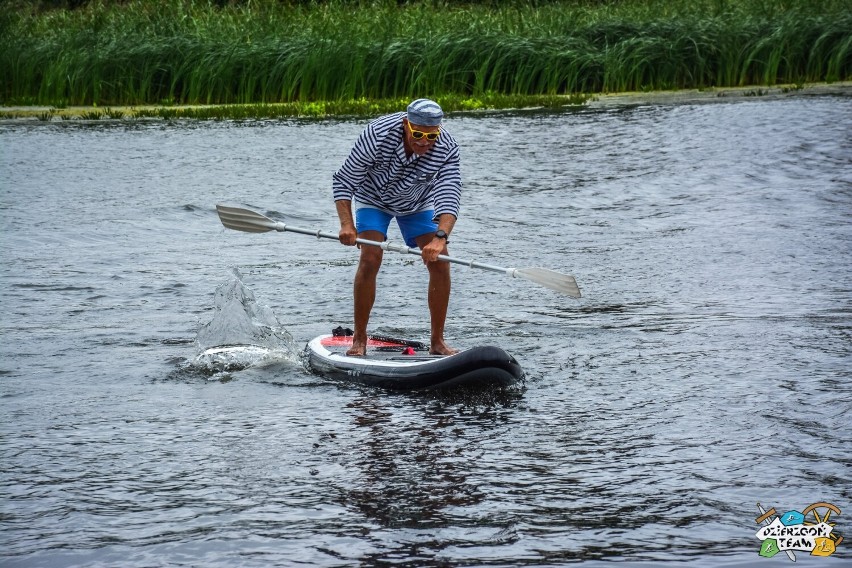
(706, 369)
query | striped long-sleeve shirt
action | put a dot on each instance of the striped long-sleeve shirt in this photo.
(378, 173)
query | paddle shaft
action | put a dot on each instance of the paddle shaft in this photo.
(389, 246)
(252, 222)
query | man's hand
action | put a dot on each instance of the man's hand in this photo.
(431, 251)
(348, 234)
(439, 246)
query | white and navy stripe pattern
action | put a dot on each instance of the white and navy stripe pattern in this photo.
(424, 112)
(378, 173)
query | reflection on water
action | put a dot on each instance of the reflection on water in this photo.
(406, 478)
(410, 466)
(705, 370)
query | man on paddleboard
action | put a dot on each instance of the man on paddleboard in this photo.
(403, 166)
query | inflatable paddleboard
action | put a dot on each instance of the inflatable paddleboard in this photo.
(403, 365)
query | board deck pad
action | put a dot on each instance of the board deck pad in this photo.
(379, 347)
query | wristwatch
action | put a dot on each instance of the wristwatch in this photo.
(442, 235)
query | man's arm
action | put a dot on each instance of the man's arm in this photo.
(446, 222)
(347, 233)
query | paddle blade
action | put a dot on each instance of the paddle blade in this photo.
(244, 220)
(550, 279)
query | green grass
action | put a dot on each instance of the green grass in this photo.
(356, 107)
(333, 54)
(298, 109)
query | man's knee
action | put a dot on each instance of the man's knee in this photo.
(371, 260)
(438, 268)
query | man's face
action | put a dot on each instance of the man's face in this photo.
(417, 137)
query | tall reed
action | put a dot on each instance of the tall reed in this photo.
(264, 51)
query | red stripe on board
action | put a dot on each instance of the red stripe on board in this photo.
(346, 341)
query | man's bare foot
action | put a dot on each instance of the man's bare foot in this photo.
(441, 348)
(358, 349)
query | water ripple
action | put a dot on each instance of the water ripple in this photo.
(705, 370)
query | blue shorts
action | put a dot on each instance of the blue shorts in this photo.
(411, 226)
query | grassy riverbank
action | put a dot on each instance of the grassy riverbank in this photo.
(295, 109)
(452, 104)
(337, 56)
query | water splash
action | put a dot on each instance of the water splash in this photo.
(242, 333)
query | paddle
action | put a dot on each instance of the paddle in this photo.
(253, 222)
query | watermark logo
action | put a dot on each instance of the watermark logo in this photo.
(808, 531)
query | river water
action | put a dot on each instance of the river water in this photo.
(706, 369)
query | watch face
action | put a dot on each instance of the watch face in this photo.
(441, 234)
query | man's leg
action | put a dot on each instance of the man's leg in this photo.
(365, 290)
(439, 299)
